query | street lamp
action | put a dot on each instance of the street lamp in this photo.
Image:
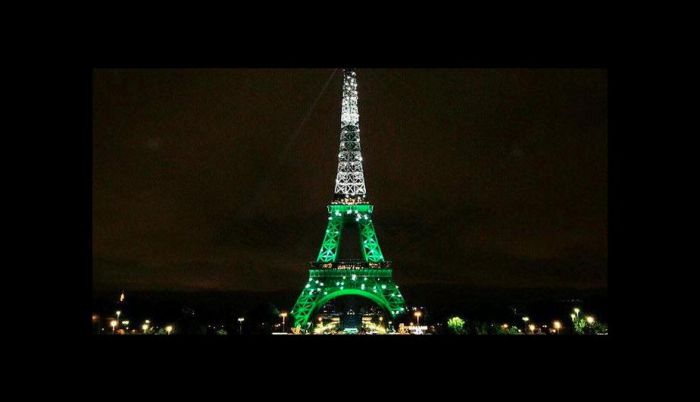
(590, 320)
(532, 328)
(557, 326)
(577, 310)
(118, 314)
(144, 327)
(169, 329)
(113, 324)
(240, 325)
(418, 314)
(283, 315)
(525, 320)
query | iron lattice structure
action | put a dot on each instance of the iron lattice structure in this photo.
(330, 276)
(350, 180)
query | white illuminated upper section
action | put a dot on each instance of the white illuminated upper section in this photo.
(350, 180)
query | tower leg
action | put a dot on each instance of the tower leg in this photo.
(331, 240)
(305, 306)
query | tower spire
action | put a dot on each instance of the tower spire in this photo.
(350, 180)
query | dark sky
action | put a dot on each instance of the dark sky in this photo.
(490, 178)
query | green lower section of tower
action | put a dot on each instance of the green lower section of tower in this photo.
(331, 277)
(327, 284)
(340, 215)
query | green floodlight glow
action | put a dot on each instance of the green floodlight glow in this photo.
(307, 304)
(456, 324)
(336, 221)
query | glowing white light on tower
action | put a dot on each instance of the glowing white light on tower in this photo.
(350, 181)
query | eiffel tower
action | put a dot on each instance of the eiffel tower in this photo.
(330, 276)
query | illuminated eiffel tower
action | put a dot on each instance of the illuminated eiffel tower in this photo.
(331, 277)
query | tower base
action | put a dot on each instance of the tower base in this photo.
(327, 284)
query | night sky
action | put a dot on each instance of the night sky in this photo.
(219, 179)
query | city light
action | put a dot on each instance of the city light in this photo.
(283, 315)
(373, 323)
(556, 325)
(526, 318)
(418, 314)
(455, 324)
(240, 325)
